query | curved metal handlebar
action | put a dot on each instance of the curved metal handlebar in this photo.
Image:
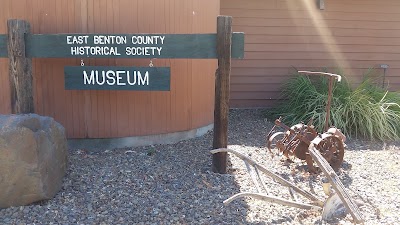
(339, 78)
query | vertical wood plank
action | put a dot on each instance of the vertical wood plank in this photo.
(196, 81)
(107, 99)
(222, 86)
(51, 18)
(37, 83)
(123, 101)
(35, 62)
(77, 99)
(148, 26)
(189, 71)
(68, 5)
(57, 88)
(92, 122)
(102, 100)
(100, 26)
(211, 64)
(184, 15)
(157, 109)
(133, 99)
(44, 69)
(168, 109)
(141, 98)
(155, 112)
(5, 97)
(85, 20)
(114, 95)
(174, 68)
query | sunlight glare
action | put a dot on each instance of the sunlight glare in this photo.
(324, 32)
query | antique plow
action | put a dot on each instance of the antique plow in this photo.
(294, 142)
(304, 142)
(336, 203)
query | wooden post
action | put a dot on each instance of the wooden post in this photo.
(329, 102)
(20, 68)
(222, 88)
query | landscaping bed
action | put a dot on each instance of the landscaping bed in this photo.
(173, 184)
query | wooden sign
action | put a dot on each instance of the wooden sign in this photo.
(117, 78)
(193, 46)
(224, 45)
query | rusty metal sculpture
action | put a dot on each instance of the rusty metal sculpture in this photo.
(295, 140)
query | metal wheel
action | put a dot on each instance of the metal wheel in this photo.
(273, 141)
(332, 149)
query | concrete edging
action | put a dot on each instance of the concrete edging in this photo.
(112, 143)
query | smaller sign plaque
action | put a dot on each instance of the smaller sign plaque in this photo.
(117, 78)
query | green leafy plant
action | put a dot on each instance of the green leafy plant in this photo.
(366, 110)
(151, 151)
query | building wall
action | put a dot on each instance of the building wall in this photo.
(106, 114)
(285, 34)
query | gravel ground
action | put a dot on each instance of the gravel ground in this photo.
(172, 184)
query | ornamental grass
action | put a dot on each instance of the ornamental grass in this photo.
(365, 110)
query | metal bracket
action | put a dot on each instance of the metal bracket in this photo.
(321, 4)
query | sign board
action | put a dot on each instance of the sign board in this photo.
(117, 78)
(193, 46)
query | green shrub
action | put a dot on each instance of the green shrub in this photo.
(366, 110)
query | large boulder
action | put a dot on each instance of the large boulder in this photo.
(33, 159)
